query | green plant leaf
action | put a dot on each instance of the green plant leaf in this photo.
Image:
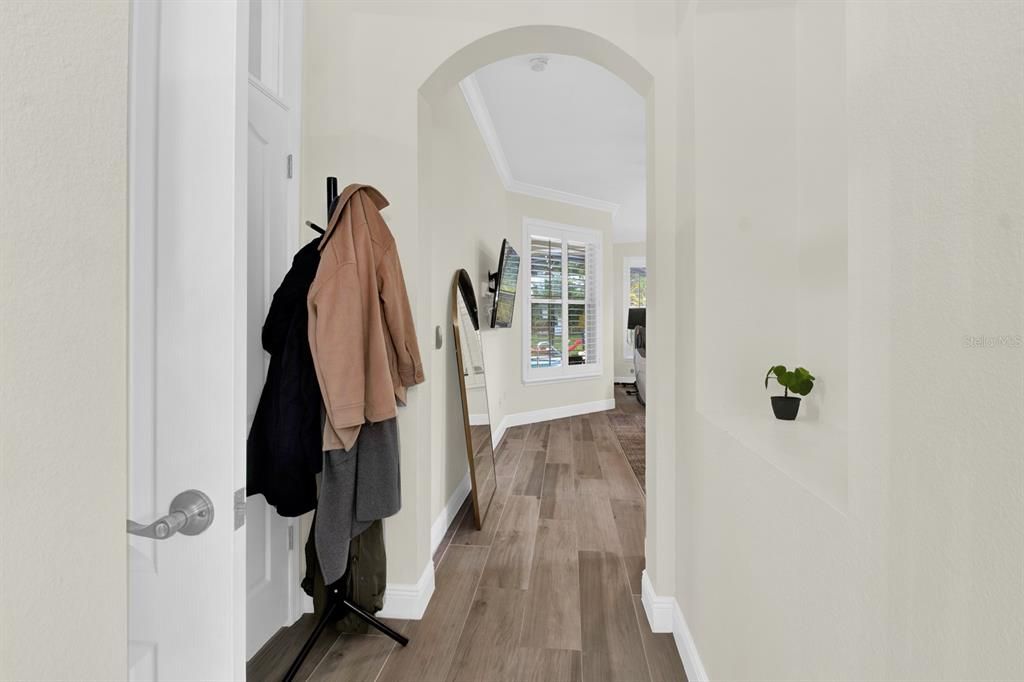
(799, 381)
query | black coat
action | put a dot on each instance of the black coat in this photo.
(284, 451)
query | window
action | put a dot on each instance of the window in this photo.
(634, 295)
(266, 45)
(561, 338)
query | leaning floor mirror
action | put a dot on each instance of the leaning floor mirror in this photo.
(469, 355)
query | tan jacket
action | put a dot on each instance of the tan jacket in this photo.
(360, 323)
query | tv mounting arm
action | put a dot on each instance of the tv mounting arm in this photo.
(492, 282)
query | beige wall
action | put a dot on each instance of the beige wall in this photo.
(465, 198)
(512, 395)
(936, 141)
(771, 205)
(889, 546)
(63, 266)
(623, 367)
(470, 214)
(916, 574)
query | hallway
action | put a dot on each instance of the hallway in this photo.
(548, 590)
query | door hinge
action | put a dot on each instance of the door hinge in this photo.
(291, 538)
(289, 166)
(239, 508)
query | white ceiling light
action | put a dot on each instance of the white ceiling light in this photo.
(538, 64)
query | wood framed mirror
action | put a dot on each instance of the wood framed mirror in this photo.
(469, 355)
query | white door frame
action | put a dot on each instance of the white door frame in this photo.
(628, 262)
(279, 90)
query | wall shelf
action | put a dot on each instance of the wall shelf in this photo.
(813, 454)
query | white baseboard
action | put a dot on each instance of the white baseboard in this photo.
(659, 609)
(401, 600)
(404, 601)
(547, 414)
(628, 379)
(499, 433)
(409, 601)
(664, 615)
(447, 515)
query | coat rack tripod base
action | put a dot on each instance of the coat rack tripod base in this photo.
(337, 608)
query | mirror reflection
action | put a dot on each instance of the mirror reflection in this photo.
(473, 383)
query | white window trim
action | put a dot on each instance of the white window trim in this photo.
(545, 228)
(628, 262)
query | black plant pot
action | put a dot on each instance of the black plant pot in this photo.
(785, 407)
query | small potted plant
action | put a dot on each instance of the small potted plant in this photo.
(798, 381)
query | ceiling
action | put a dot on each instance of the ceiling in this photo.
(573, 132)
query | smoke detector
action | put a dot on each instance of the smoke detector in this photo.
(538, 64)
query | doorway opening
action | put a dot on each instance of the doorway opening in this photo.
(546, 151)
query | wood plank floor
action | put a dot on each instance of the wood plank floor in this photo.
(547, 591)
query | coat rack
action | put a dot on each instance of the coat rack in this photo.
(338, 605)
(332, 199)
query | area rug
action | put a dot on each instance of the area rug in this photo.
(629, 430)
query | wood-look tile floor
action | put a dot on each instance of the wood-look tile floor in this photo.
(547, 591)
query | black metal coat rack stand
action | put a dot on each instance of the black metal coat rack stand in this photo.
(338, 605)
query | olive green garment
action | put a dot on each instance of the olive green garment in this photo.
(364, 580)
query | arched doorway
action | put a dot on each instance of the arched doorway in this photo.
(446, 78)
(440, 108)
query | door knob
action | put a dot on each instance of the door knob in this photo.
(191, 513)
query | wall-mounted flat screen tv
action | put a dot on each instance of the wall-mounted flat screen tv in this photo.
(505, 290)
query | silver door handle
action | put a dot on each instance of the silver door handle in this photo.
(191, 513)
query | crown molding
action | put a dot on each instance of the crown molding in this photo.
(485, 124)
(558, 195)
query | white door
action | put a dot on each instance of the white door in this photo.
(187, 321)
(273, 596)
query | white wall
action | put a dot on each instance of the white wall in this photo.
(882, 537)
(367, 66)
(623, 368)
(470, 213)
(63, 306)
(936, 138)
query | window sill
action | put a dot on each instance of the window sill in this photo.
(563, 379)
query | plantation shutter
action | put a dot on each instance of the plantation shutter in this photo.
(576, 302)
(545, 268)
(593, 303)
(562, 335)
(545, 302)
